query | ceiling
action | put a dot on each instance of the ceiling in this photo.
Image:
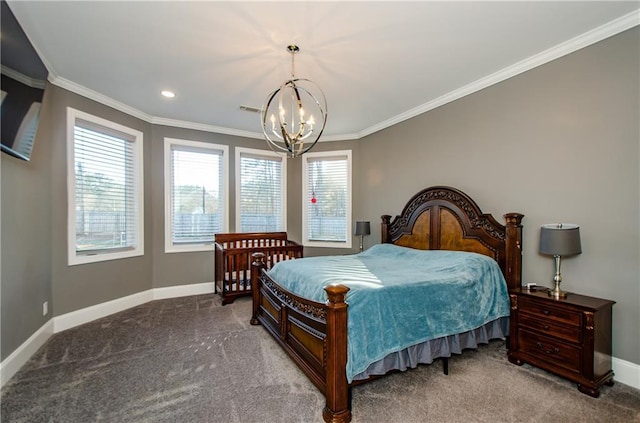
(379, 63)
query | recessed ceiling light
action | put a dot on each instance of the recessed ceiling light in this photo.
(168, 94)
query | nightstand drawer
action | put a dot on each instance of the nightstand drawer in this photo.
(550, 327)
(550, 350)
(570, 336)
(546, 311)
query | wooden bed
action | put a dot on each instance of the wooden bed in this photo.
(314, 334)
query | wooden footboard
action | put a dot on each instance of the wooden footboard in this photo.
(313, 334)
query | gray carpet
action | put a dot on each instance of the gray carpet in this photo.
(191, 360)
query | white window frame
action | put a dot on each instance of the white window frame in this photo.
(267, 154)
(169, 246)
(75, 258)
(305, 203)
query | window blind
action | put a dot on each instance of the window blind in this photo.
(197, 200)
(105, 189)
(327, 197)
(261, 199)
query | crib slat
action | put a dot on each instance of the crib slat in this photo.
(233, 255)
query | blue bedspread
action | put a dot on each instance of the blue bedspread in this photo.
(401, 296)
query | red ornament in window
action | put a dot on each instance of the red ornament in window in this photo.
(313, 198)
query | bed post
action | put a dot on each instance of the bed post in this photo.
(513, 250)
(337, 409)
(256, 269)
(386, 221)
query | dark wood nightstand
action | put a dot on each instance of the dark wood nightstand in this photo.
(570, 337)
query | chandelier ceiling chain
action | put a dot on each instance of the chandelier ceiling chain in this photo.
(293, 49)
(292, 132)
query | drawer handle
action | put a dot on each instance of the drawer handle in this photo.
(556, 350)
(545, 327)
(545, 312)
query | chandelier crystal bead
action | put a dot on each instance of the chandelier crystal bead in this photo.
(289, 114)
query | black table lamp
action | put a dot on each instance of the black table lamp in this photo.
(558, 240)
(362, 229)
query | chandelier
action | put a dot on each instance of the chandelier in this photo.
(294, 131)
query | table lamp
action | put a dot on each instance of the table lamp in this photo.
(362, 229)
(559, 240)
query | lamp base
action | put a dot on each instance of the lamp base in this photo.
(557, 294)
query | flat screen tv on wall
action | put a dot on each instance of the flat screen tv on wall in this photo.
(22, 85)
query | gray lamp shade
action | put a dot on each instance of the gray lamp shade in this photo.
(362, 228)
(560, 239)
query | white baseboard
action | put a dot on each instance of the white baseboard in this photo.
(625, 371)
(23, 353)
(183, 290)
(86, 315)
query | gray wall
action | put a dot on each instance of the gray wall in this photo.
(81, 286)
(170, 269)
(558, 143)
(25, 277)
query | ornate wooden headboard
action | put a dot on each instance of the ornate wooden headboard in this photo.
(444, 218)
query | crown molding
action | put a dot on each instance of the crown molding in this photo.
(98, 97)
(206, 128)
(341, 137)
(584, 40)
(20, 77)
(600, 33)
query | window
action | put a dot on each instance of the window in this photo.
(196, 203)
(326, 199)
(105, 189)
(260, 191)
